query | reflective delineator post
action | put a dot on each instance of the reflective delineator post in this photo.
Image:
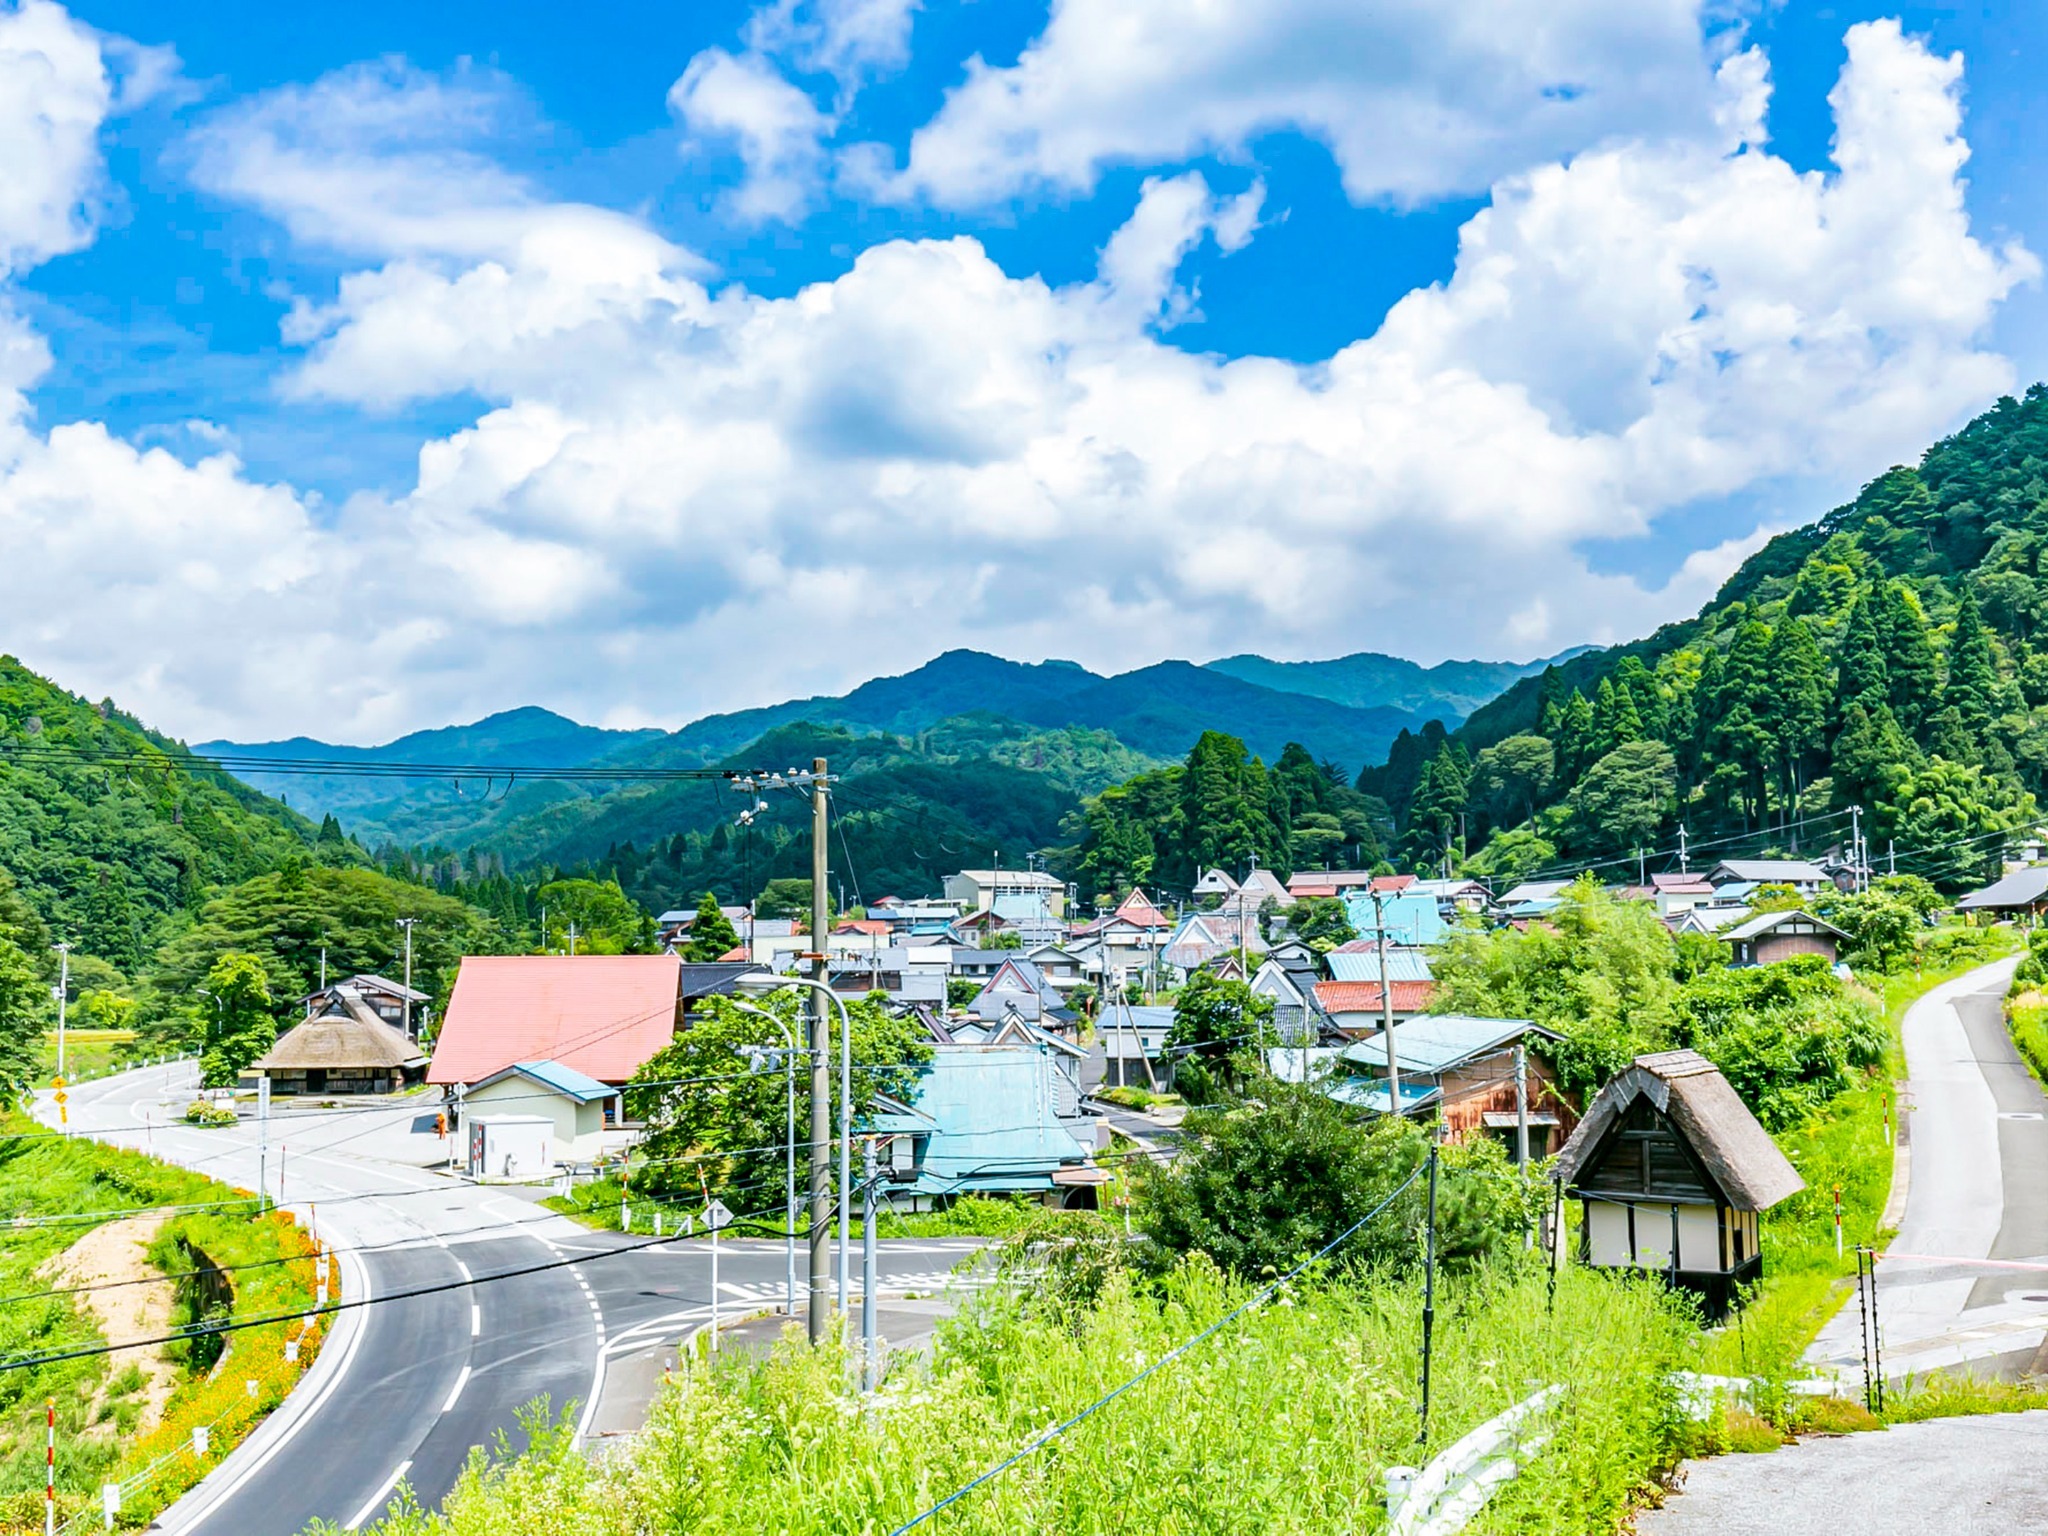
(1838, 1221)
(50, 1476)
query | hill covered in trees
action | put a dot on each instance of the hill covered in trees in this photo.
(1892, 656)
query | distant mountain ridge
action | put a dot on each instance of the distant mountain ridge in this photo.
(1157, 712)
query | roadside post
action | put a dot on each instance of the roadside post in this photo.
(50, 1476)
(868, 1359)
(715, 1216)
(263, 1142)
(110, 1502)
(1838, 1221)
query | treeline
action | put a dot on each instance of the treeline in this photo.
(1222, 808)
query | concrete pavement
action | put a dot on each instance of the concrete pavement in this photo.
(1961, 1477)
(1978, 1196)
(406, 1387)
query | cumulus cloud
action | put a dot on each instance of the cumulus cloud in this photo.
(54, 92)
(682, 498)
(1414, 98)
(778, 131)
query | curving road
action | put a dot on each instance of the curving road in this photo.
(1965, 1282)
(405, 1389)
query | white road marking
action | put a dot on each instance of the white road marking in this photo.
(377, 1499)
(460, 1382)
(476, 1321)
(465, 1270)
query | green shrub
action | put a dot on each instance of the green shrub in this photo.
(2026, 1016)
(202, 1113)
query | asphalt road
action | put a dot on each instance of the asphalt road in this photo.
(1964, 1285)
(1960, 1477)
(405, 1388)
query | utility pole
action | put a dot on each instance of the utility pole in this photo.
(63, 996)
(1379, 918)
(323, 967)
(821, 1067)
(572, 937)
(1683, 868)
(868, 1353)
(1522, 1105)
(1856, 846)
(1891, 855)
(405, 923)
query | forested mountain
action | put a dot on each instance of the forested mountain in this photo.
(526, 737)
(1447, 691)
(1344, 711)
(909, 809)
(110, 858)
(1892, 656)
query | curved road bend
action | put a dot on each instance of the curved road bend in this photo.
(406, 1388)
(1977, 1139)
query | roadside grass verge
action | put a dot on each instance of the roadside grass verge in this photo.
(97, 1397)
(2026, 1016)
(87, 1053)
(1286, 1420)
(1844, 1144)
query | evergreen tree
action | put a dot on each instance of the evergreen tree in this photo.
(1798, 699)
(1913, 683)
(1615, 721)
(711, 931)
(1871, 754)
(1742, 711)
(1574, 735)
(1439, 801)
(1861, 677)
(1972, 687)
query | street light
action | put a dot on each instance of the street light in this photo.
(760, 984)
(760, 1053)
(219, 1018)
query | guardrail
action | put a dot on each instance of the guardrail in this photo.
(1442, 1497)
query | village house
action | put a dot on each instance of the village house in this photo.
(1354, 1008)
(1773, 936)
(907, 974)
(1405, 916)
(578, 1108)
(1132, 1040)
(1808, 879)
(2022, 894)
(601, 1015)
(345, 1048)
(1462, 1068)
(1290, 984)
(1676, 894)
(1363, 960)
(384, 997)
(1672, 1172)
(1019, 987)
(1027, 896)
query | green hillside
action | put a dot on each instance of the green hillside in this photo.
(111, 858)
(1892, 656)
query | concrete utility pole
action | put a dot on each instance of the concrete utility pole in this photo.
(405, 923)
(1683, 867)
(821, 1064)
(1379, 919)
(1856, 846)
(63, 993)
(1522, 1105)
(869, 1354)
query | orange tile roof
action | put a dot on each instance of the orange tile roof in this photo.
(1364, 996)
(604, 1015)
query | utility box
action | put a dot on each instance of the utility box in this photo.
(509, 1147)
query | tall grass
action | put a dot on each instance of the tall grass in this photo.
(1284, 1421)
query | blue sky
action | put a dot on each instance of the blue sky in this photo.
(608, 363)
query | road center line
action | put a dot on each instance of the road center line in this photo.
(476, 1321)
(460, 1382)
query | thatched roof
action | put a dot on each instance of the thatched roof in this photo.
(346, 1034)
(1701, 1106)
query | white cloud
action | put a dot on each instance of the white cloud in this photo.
(1415, 98)
(851, 40)
(54, 92)
(777, 130)
(682, 499)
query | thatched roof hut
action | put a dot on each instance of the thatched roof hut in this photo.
(344, 1048)
(1672, 1171)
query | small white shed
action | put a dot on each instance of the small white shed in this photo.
(573, 1105)
(509, 1147)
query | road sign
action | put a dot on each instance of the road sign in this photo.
(716, 1216)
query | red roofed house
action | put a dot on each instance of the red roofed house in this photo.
(1354, 1006)
(602, 1015)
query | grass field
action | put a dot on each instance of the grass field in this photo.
(87, 1053)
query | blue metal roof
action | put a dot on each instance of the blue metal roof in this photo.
(1364, 1093)
(1402, 965)
(566, 1081)
(992, 1107)
(1436, 1042)
(1411, 918)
